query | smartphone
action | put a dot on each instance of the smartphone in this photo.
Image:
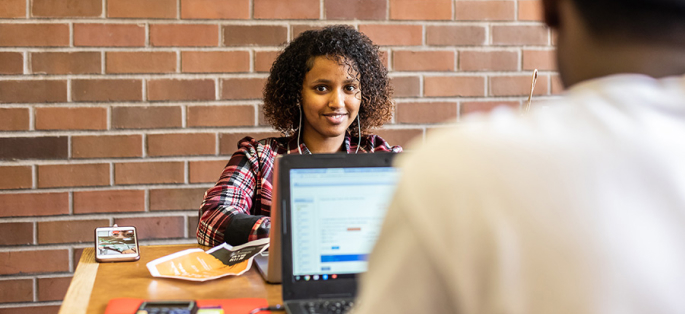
(167, 307)
(116, 244)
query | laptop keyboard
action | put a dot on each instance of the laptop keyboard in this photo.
(328, 306)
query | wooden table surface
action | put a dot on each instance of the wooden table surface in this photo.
(94, 284)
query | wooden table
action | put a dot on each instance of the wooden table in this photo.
(94, 284)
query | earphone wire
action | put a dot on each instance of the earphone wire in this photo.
(359, 141)
(299, 130)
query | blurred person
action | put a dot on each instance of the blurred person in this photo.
(327, 89)
(579, 208)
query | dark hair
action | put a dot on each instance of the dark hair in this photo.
(645, 20)
(283, 90)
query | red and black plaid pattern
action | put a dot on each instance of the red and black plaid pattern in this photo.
(236, 210)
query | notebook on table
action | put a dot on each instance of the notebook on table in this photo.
(331, 210)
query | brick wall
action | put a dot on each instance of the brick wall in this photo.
(125, 111)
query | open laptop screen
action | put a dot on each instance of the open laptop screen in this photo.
(336, 216)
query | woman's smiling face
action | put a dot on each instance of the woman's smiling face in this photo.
(331, 97)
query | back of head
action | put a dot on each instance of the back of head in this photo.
(652, 21)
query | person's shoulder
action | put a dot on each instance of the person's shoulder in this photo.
(272, 145)
(375, 143)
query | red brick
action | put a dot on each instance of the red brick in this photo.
(65, 63)
(109, 35)
(107, 90)
(530, 10)
(53, 289)
(220, 116)
(355, 9)
(557, 85)
(34, 204)
(192, 225)
(261, 119)
(254, 35)
(543, 60)
(517, 85)
(239, 88)
(29, 262)
(264, 59)
(112, 201)
(71, 118)
(215, 61)
(34, 35)
(181, 144)
(148, 172)
(177, 199)
(14, 119)
(469, 107)
(287, 9)
(140, 62)
(488, 61)
(455, 35)
(228, 142)
(155, 9)
(394, 34)
(71, 175)
(170, 89)
(215, 9)
(43, 147)
(155, 227)
(400, 137)
(452, 86)
(174, 35)
(11, 63)
(383, 56)
(69, 231)
(47, 309)
(420, 10)
(519, 35)
(16, 290)
(15, 177)
(33, 91)
(78, 252)
(205, 171)
(13, 8)
(299, 29)
(146, 117)
(107, 146)
(423, 60)
(406, 86)
(426, 112)
(485, 10)
(16, 233)
(66, 8)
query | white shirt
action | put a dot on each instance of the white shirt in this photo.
(576, 208)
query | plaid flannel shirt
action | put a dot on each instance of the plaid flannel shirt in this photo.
(237, 209)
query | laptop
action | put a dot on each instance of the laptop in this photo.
(331, 210)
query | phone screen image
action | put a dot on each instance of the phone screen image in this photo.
(117, 243)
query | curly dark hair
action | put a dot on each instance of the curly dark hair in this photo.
(283, 90)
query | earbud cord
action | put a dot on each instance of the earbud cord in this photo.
(299, 129)
(359, 141)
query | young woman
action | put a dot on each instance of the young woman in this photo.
(325, 89)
